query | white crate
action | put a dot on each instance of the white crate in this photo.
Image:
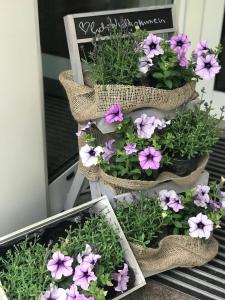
(99, 206)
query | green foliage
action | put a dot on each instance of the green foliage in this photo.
(141, 220)
(114, 59)
(95, 231)
(166, 72)
(24, 273)
(192, 133)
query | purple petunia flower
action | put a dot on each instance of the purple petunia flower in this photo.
(60, 265)
(201, 196)
(179, 43)
(200, 226)
(122, 279)
(165, 197)
(175, 204)
(86, 127)
(89, 155)
(114, 114)
(73, 294)
(214, 205)
(130, 148)
(146, 126)
(144, 64)
(183, 62)
(207, 66)
(86, 252)
(84, 275)
(91, 258)
(108, 149)
(149, 158)
(202, 48)
(151, 46)
(54, 294)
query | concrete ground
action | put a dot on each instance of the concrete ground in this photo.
(156, 291)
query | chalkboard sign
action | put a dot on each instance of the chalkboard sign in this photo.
(81, 28)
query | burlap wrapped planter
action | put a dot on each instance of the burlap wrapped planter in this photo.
(91, 103)
(175, 251)
(126, 185)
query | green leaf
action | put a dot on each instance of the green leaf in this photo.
(157, 75)
(148, 172)
(178, 224)
(168, 83)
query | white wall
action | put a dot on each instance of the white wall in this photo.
(22, 155)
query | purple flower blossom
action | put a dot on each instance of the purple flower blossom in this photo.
(54, 294)
(201, 196)
(86, 252)
(144, 64)
(114, 114)
(73, 294)
(130, 148)
(200, 226)
(175, 204)
(146, 126)
(109, 150)
(86, 127)
(84, 275)
(151, 46)
(122, 279)
(60, 265)
(91, 258)
(214, 205)
(166, 197)
(183, 62)
(179, 43)
(149, 158)
(202, 48)
(207, 66)
(89, 155)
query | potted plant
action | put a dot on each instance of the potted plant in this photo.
(170, 230)
(135, 156)
(139, 70)
(79, 254)
(191, 136)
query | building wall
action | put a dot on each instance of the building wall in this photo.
(22, 154)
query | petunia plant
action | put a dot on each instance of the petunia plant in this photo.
(135, 149)
(196, 212)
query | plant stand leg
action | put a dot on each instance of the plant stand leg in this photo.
(95, 189)
(73, 194)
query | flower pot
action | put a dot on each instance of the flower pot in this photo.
(172, 251)
(91, 102)
(121, 185)
(183, 167)
(98, 206)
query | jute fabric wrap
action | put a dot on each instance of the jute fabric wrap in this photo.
(88, 102)
(175, 251)
(126, 185)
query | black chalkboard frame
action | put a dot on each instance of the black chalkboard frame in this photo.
(73, 39)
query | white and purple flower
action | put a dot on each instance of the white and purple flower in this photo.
(201, 195)
(207, 66)
(108, 150)
(166, 197)
(151, 46)
(200, 226)
(175, 204)
(84, 275)
(149, 158)
(54, 294)
(89, 155)
(180, 43)
(145, 64)
(85, 128)
(122, 279)
(130, 148)
(86, 252)
(146, 126)
(60, 265)
(202, 48)
(183, 61)
(222, 200)
(114, 114)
